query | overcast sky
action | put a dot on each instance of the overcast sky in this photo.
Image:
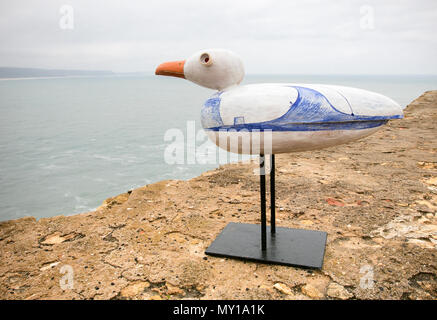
(292, 37)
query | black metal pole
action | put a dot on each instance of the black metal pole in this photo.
(262, 175)
(272, 196)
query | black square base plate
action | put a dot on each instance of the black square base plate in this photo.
(293, 247)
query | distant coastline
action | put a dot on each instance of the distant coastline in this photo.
(13, 73)
(52, 77)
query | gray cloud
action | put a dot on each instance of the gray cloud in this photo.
(311, 37)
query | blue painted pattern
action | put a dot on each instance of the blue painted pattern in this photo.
(210, 114)
(312, 106)
(238, 120)
(310, 112)
(321, 126)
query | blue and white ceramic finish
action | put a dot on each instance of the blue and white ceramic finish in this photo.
(299, 116)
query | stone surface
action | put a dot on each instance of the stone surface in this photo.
(283, 288)
(376, 198)
(172, 290)
(312, 291)
(338, 292)
(134, 289)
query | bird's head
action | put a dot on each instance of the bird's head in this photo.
(212, 68)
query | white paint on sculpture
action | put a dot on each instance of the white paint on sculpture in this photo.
(297, 117)
(255, 103)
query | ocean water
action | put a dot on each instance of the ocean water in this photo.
(69, 143)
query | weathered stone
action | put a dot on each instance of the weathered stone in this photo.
(312, 292)
(267, 288)
(306, 222)
(428, 204)
(117, 200)
(283, 288)
(432, 181)
(134, 289)
(338, 291)
(56, 238)
(173, 290)
(49, 266)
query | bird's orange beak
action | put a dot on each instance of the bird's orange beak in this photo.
(172, 69)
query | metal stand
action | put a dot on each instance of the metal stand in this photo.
(262, 178)
(272, 195)
(287, 246)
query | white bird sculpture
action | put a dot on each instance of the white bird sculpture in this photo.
(275, 118)
(299, 117)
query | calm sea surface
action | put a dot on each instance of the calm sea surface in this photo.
(69, 143)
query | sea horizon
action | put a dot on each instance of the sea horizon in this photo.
(152, 73)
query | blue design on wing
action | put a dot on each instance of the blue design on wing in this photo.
(238, 120)
(311, 106)
(210, 113)
(310, 112)
(315, 126)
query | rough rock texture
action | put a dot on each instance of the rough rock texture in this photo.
(376, 198)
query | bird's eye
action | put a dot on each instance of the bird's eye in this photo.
(205, 59)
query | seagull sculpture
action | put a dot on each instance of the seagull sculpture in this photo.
(273, 118)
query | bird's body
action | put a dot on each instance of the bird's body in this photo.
(278, 117)
(299, 117)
